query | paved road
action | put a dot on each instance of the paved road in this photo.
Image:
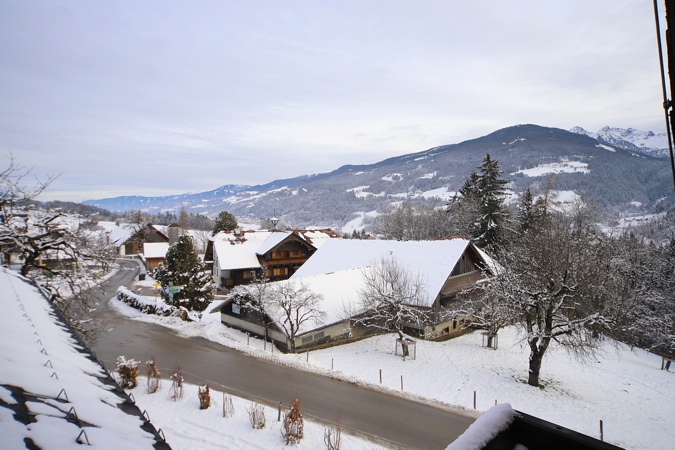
(398, 422)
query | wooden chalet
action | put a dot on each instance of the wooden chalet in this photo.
(239, 257)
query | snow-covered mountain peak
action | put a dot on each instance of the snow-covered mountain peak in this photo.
(643, 142)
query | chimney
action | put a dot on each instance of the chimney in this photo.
(174, 232)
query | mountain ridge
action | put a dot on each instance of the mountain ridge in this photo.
(615, 173)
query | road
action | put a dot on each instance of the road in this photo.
(396, 421)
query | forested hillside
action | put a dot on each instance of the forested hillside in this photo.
(618, 180)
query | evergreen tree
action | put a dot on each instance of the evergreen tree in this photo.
(225, 221)
(463, 208)
(182, 267)
(493, 213)
(528, 212)
(478, 209)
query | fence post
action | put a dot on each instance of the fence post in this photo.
(279, 414)
(331, 364)
(401, 382)
(602, 432)
(380, 376)
(474, 399)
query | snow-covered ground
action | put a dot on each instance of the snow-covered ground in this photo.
(622, 387)
(185, 426)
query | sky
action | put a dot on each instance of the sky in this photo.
(167, 97)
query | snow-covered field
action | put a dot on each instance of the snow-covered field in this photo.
(623, 388)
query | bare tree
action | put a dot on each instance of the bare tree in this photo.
(643, 276)
(391, 298)
(286, 303)
(294, 305)
(50, 250)
(414, 223)
(201, 239)
(554, 279)
(486, 309)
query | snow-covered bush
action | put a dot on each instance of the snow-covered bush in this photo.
(293, 426)
(176, 391)
(228, 406)
(256, 414)
(154, 379)
(143, 305)
(204, 397)
(332, 437)
(128, 370)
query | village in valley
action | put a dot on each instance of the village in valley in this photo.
(463, 322)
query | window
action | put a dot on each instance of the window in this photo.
(307, 339)
(318, 335)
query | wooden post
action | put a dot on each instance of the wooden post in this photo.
(401, 382)
(331, 364)
(307, 360)
(248, 339)
(279, 414)
(602, 431)
(474, 399)
(380, 376)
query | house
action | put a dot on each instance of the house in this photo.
(55, 393)
(128, 239)
(447, 269)
(154, 253)
(239, 256)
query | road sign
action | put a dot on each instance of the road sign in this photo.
(173, 290)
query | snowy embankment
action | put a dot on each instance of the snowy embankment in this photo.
(626, 389)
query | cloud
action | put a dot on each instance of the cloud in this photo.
(154, 97)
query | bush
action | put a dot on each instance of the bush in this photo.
(292, 430)
(140, 303)
(204, 397)
(128, 370)
(154, 379)
(256, 414)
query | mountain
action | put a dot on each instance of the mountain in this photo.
(643, 142)
(613, 174)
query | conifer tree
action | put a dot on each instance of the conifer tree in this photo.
(182, 267)
(225, 221)
(478, 211)
(493, 213)
(527, 211)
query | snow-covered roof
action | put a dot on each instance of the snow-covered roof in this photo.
(45, 371)
(273, 239)
(434, 259)
(118, 234)
(241, 251)
(317, 237)
(155, 249)
(336, 269)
